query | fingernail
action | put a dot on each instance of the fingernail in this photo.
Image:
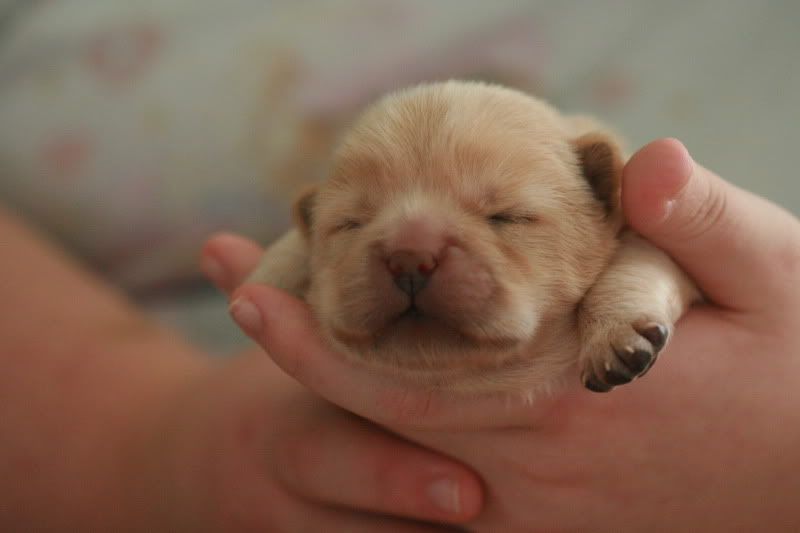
(446, 495)
(676, 186)
(213, 270)
(667, 209)
(247, 315)
(682, 169)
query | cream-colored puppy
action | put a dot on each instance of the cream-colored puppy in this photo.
(470, 238)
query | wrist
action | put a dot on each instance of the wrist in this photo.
(144, 491)
(215, 446)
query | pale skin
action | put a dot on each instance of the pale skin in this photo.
(110, 422)
(708, 441)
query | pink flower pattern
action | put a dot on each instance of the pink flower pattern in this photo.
(118, 56)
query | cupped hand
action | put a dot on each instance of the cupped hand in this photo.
(286, 460)
(709, 440)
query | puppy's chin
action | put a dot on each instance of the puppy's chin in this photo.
(428, 350)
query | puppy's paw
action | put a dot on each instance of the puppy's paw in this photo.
(617, 352)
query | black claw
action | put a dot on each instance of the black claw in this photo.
(594, 385)
(618, 377)
(636, 360)
(651, 365)
(655, 333)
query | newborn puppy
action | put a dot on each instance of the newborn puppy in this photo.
(470, 238)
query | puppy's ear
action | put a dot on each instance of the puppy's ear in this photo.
(303, 210)
(285, 263)
(600, 160)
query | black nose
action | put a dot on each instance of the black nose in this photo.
(411, 284)
(411, 269)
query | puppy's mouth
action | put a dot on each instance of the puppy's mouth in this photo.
(412, 312)
(414, 321)
(414, 330)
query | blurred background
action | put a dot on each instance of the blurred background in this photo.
(131, 131)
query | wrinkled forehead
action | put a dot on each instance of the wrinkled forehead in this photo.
(476, 146)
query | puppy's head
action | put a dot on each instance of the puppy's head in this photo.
(459, 220)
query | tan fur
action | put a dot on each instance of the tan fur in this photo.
(285, 264)
(504, 311)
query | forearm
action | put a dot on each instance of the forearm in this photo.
(43, 287)
(81, 375)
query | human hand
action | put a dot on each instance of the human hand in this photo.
(254, 451)
(708, 441)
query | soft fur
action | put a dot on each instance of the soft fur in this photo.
(513, 213)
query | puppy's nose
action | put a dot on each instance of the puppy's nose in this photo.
(411, 269)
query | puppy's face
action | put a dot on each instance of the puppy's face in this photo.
(459, 220)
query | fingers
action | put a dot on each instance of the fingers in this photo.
(740, 249)
(228, 259)
(345, 461)
(284, 327)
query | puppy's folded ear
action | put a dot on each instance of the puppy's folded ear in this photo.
(285, 263)
(600, 160)
(303, 209)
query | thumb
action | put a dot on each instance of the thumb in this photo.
(741, 250)
(227, 260)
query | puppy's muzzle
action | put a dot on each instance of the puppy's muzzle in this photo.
(411, 269)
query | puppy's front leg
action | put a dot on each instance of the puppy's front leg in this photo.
(285, 264)
(628, 315)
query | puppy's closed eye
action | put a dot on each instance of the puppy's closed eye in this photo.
(506, 218)
(348, 224)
